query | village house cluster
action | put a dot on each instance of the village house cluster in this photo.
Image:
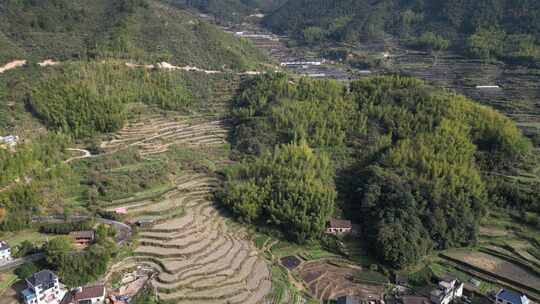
(450, 288)
(44, 287)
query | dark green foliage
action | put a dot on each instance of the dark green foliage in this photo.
(25, 248)
(143, 30)
(18, 205)
(291, 188)
(26, 270)
(66, 227)
(270, 110)
(414, 175)
(41, 153)
(429, 181)
(492, 28)
(432, 42)
(87, 99)
(79, 268)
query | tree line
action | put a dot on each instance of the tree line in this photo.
(86, 99)
(486, 29)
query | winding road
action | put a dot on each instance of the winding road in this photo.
(26, 259)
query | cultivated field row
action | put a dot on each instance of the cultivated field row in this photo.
(157, 134)
(198, 256)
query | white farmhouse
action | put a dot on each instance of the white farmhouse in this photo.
(43, 288)
(448, 290)
(5, 252)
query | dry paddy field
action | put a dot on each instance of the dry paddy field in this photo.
(327, 281)
(155, 134)
(492, 264)
(199, 257)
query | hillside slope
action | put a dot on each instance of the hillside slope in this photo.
(142, 30)
(231, 10)
(485, 28)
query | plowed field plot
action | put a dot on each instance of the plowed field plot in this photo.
(497, 266)
(199, 257)
(290, 262)
(327, 281)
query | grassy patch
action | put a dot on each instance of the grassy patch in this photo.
(6, 280)
(33, 236)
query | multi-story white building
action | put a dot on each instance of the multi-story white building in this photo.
(448, 289)
(5, 252)
(43, 288)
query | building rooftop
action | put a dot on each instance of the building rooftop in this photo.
(88, 234)
(512, 297)
(337, 223)
(84, 293)
(43, 277)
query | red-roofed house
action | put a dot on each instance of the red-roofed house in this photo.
(336, 226)
(85, 295)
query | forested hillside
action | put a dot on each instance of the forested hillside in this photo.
(412, 164)
(505, 29)
(140, 30)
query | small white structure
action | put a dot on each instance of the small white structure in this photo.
(487, 87)
(5, 252)
(9, 141)
(449, 289)
(43, 288)
(509, 297)
(300, 63)
(85, 295)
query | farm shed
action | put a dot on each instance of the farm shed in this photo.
(337, 226)
(83, 238)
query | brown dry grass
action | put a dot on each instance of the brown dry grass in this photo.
(326, 281)
(498, 266)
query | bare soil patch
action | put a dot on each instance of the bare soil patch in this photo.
(290, 262)
(498, 266)
(328, 281)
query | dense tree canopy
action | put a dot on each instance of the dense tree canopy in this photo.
(420, 158)
(138, 30)
(492, 28)
(86, 99)
(77, 268)
(291, 188)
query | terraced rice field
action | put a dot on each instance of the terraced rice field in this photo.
(153, 135)
(198, 256)
(327, 281)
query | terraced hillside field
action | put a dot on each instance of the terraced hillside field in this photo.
(153, 135)
(327, 281)
(199, 257)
